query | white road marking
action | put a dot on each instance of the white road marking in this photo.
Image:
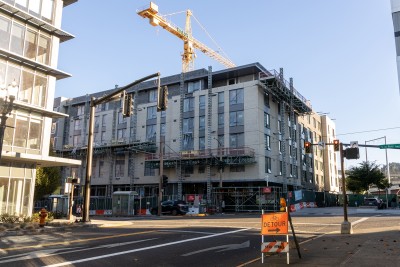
(52, 252)
(142, 249)
(191, 232)
(221, 248)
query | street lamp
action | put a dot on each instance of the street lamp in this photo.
(7, 97)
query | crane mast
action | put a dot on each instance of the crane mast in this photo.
(189, 43)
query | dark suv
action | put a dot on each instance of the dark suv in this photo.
(173, 207)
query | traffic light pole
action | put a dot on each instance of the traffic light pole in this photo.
(93, 103)
(346, 225)
(160, 184)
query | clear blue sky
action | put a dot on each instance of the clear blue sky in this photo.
(340, 53)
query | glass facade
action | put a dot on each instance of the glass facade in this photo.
(16, 187)
(42, 9)
(24, 41)
(32, 84)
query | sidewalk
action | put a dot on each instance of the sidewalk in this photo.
(365, 247)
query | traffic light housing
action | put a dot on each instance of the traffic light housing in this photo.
(282, 203)
(162, 100)
(164, 181)
(307, 147)
(336, 145)
(127, 106)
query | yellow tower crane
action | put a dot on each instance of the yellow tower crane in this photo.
(189, 43)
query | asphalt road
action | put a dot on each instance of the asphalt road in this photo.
(226, 240)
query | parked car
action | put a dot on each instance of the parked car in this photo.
(173, 207)
(374, 201)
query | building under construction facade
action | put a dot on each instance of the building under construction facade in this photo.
(230, 132)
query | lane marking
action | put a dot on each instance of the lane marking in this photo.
(144, 248)
(53, 252)
(190, 232)
(76, 241)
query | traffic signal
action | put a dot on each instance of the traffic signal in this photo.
(336, 145)
(307, 147)
(282, 203)
(127, 106)
(164, 181)
(162, 101)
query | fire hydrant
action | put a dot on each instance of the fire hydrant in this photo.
(42, 215)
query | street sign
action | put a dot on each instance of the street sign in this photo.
(275, 223)
(353, 144)
(275, 247)
(321, 145)
(392, 146)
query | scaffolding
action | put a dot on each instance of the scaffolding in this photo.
(290, 102)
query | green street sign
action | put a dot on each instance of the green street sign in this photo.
(393, 146)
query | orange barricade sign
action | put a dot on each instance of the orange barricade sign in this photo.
(274, 223)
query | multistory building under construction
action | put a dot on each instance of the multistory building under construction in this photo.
(242, 127)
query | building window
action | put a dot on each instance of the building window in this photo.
(267, 142)
(153, 95)
(202, 123)
(151, 112)
(266, 99)
(236, 140)
(236, 96)
(121, 118)
(280, 146)
(188, 169)
(121, 134)
(237, 168)
(291, 170)
(102, 170)
(162, 129)
(202, 102)
(188, 125)
(188, 104)
(53, 127)
(149, 171)
(202, 143)
(77, 125)
(119, 166)
(236, 118)
(221, 141)
(268, 165)
(77, 140)
(267, 120)
(221, 121)
(280, 167)
(279, 126)
(151, 133)
(220, 99)
(194, 86)
(80, 110)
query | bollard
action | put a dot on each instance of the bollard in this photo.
(42, 215)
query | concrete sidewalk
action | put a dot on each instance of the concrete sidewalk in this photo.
(335, 249)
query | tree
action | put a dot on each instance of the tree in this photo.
(360, 178)
(47, 181)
